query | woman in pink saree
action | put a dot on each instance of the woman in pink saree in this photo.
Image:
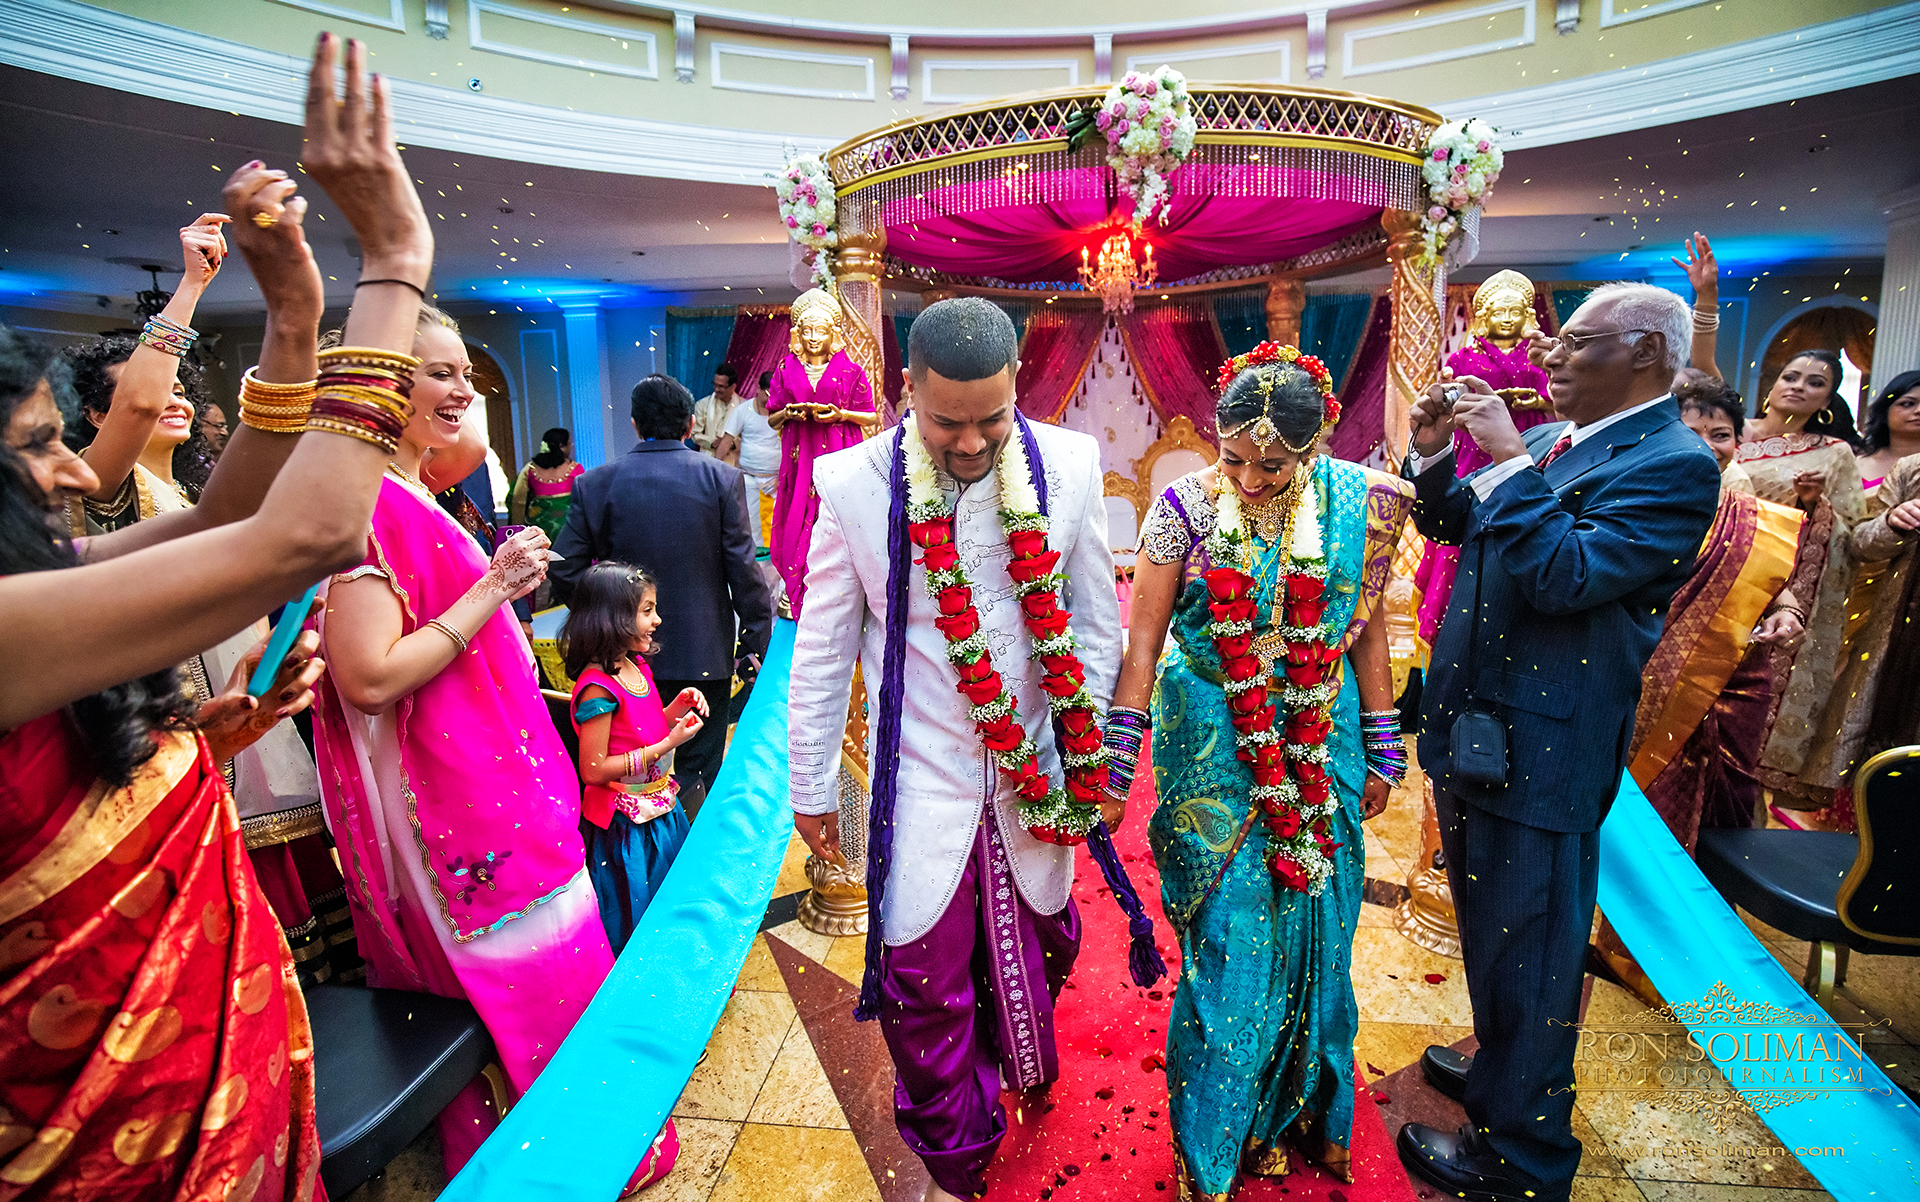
(453, 802)
(820, 402)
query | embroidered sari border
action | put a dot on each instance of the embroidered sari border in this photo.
(99, 823)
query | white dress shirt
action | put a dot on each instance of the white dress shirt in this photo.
(946, 778)
(1493, 477)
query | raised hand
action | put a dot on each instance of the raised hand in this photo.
(350, 152)
(203, 249)
(1703, 270)
(269, 229)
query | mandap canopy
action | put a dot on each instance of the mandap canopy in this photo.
(1283, 184)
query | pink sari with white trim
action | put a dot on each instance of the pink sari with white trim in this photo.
(457, 818)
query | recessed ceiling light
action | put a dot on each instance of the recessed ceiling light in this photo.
(639, 252)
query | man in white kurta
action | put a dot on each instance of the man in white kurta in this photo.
(964, 1015)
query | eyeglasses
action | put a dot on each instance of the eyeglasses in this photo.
(1574, 343)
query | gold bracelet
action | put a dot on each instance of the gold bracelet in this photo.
(340, 358)
(446, 628)
(275, 408)
(330, 425)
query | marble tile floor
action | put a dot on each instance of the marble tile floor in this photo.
(761, 1119)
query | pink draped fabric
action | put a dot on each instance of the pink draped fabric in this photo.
(1037, 242)
(457, 818)
(760, 337)
(1363, 397)
(801, 442)
(1176, 348)
(1059, 344)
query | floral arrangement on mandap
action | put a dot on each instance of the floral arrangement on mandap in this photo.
(1149, 126)
(1055, 813)
(808, 210)
(1463, 161)
(1287, 753)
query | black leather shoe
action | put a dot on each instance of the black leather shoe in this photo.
(1446, 1070)
(1446, 1159)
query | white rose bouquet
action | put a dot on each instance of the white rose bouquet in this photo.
(807, 209)
(1149, 126)
(1462, 162)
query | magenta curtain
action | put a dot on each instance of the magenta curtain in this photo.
(1363, 401)
(1054, 355)
(1176, 351)
(890, 366)
(760, 336)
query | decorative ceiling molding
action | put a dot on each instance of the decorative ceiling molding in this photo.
(113, 50)
(774, 23)
(479, 41)
(1356, 37)
(859, 62)
(396, 18)
(1199, 54)
(1862, 49)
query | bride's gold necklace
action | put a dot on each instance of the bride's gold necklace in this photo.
(1272, 519)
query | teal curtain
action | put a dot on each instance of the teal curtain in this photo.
(1016, 312)
(1566, 300)
(1330, 328)
(1243, 319)
(697, 341)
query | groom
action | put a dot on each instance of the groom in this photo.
(975, 931)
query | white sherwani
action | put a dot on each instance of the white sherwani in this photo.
(945, 775)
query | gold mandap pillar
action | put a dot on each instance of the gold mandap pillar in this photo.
(1427, 916)
(836, 900)
(1286, 300)
(858, 264)
(1415, 342)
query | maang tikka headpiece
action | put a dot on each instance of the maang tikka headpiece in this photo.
(1261, 429)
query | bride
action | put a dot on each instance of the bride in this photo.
(1274, 736)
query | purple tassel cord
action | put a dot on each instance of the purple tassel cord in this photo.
(886, 742)
(1143, 958)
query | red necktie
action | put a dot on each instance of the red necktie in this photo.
(1559, 448)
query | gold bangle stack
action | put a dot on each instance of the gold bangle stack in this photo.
(362, 393)
(275, 408)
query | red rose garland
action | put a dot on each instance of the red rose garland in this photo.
(1053, 813)
(1288, 757)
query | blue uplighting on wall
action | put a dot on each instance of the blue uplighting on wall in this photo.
(25, 283)
(557, 291)
(1737, 255)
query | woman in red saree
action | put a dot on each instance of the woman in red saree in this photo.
(153, 1046)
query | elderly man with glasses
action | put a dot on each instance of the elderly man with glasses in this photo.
(1573, 541)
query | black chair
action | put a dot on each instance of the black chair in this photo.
(385, 1062)
(1840, 893)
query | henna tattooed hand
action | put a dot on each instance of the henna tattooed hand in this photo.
(518, 566)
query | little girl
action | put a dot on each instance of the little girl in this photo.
(631, 818)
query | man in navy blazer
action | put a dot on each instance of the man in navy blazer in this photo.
(682, 517)
(1572, 543)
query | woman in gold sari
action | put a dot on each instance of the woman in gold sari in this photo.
(1799, 452)
(1873, 708)
(1709, 684)
(153, 1043)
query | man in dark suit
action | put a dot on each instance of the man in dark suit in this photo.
(682, 517)
(1572, 543)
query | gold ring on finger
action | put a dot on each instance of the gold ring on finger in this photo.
(265, 221)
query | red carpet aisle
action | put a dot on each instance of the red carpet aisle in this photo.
(1101, 1132)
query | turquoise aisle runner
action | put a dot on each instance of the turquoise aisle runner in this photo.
(1691, 942)
(585, 1124)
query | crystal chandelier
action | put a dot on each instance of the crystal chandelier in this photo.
(1115, 274)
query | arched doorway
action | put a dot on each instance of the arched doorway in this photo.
(491, 382)
(1844, 328)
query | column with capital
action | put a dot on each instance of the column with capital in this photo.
(1286, 301)
(1897, 341)
(1413, 360)
(587, 407)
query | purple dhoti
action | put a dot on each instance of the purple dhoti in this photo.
(965, 1014)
